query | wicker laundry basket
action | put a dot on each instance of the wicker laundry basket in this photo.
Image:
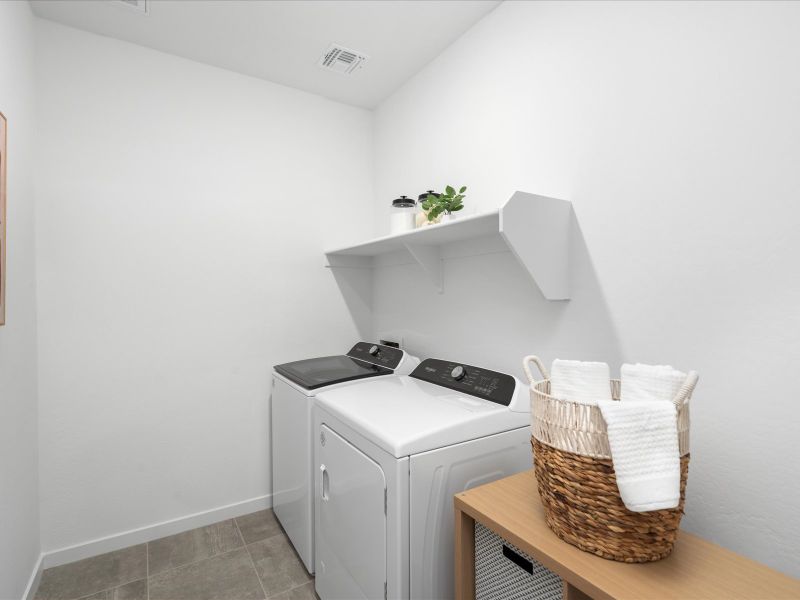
(575, 477)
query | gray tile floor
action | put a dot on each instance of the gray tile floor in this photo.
(246, 558)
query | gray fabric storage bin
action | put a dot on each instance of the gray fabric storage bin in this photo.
(504, 572)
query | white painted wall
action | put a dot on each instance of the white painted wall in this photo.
(674, 129)
(19, 499)
(182, 215)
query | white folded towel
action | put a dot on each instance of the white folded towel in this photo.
(643, 436)
(649, 382)
(578, 381)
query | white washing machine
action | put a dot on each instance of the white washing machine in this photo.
(295, 386)
(390, 455)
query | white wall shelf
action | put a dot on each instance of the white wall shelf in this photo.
(536, 229)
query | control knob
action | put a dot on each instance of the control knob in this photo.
(374, 350)
(458, 373)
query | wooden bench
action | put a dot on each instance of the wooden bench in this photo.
(696, 569)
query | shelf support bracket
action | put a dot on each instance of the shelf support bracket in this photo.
(430, 259)
(538, 231)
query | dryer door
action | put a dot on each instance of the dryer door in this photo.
(351, 539)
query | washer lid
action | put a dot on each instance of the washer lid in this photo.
(406, 416)
(363, 360)
(327, 370)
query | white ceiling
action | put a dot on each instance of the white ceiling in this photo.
(282, 41)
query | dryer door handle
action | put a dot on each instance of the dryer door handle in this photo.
(326, 484)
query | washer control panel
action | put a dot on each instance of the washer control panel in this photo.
(476, 381)
(377, 354)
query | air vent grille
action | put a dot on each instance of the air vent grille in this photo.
(137, 5)
(342, 60)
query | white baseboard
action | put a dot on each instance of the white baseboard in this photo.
(33, 582)
(61, 556)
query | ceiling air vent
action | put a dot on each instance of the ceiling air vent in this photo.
(342, 60)
(137, 5)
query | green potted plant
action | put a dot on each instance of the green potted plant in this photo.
(445, 204)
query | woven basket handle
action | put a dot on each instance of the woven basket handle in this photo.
(535, 360)
(686, 389)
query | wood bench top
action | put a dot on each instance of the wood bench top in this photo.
(696, 569)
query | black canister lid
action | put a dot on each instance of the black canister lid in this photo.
(403, 202)
(423, 197)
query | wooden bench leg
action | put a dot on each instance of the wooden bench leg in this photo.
(465, 556)
(573, 593)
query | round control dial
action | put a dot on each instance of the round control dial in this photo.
(458, 373)
(374, 351)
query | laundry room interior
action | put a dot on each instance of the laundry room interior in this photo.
(399, 299)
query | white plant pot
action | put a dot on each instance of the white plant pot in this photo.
(448, 218)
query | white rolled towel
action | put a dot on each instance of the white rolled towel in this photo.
(641, 383)
(580, 381)
(643, 436)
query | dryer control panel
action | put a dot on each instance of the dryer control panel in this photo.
(476, 381)
(377, 354)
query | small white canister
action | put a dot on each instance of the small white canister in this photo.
(402, 215)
